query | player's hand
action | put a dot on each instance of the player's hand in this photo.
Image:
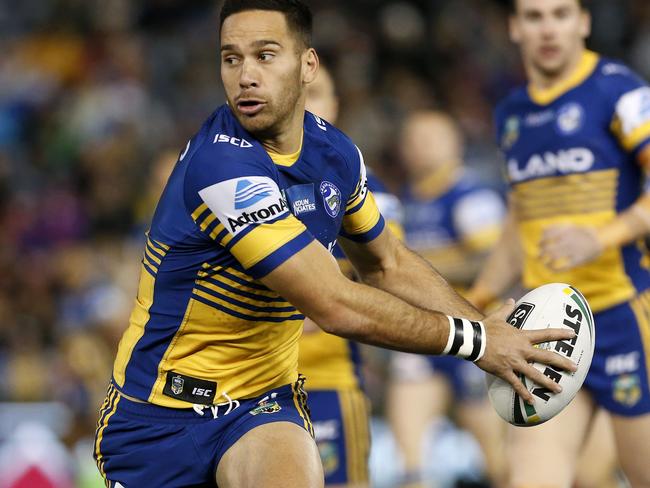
(564, 247)
(510, 351)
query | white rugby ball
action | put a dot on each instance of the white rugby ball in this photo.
(556, 305)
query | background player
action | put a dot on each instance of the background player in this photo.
(576, 145)
(332, 365)
(206, 374)
(452, 220)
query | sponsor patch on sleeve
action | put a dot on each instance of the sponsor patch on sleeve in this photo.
(242, 202)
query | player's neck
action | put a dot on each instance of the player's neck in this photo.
(541, 80)
(437, 181)
(288, 139)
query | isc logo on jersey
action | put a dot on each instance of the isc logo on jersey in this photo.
(242, 202)
(574, 160)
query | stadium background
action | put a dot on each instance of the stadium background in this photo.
(97, 97)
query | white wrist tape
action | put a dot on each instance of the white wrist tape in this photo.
(467, 339)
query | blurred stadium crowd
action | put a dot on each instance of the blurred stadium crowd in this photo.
(97, 98)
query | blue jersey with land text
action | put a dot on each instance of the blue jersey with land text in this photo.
(570, 155)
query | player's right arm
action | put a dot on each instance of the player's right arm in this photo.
(502, 268)
(312, 282)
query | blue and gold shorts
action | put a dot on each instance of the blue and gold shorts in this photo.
(140, 444)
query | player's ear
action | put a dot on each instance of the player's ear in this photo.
(310, 64)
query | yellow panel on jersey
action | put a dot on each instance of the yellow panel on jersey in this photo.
(482, 240)
(354, 409)
(242, 337)
(550, 201)
(634, 138)
(154, 253)
(641, 307)
(326, 362)
(265, 239)
(396, 228)
(585, 68)
(286, 159)
(364, 218)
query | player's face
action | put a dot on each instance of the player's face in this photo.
(264, 69)
(550, 33)
(428, 142)
(321, 97)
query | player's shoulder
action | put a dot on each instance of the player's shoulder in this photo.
(513, 99)
(223, 149)
(324, 135)
(613, 77)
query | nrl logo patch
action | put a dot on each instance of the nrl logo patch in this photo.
(177, 385)
(267, 408)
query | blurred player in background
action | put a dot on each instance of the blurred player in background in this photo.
(576, 143)
(452, 220)
(332, 365)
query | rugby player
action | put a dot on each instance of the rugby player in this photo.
(452, 220)
(205, 388)
(576, 144)
(332, 365)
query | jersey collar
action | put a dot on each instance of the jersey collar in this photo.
(585, 68)
(287, 159)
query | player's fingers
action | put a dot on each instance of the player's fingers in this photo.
(549, 335)
(518, 386)
(540, 379)
(552, 359)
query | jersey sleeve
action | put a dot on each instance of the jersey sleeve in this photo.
(362, 221)
(236, 202)
(389, 206)
(478, 218)
(631, 100)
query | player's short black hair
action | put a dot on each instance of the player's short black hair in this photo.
(512, 5)
(298, 15)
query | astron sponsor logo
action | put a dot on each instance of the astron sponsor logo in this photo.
(225, 139)
(258, 216)
(575, 160)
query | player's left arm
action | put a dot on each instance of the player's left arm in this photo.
(387, 264)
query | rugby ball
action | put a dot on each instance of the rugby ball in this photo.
(556, 305)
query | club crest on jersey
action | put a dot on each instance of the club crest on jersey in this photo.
(265, 407)
(331, 197)
(570, 118)
(177, 385)
(248, 193)
(510, 132)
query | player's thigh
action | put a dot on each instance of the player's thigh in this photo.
(598, 465)
(480, 419)
(341, 427)
(633, 441)
(554, 445)
(274, 455)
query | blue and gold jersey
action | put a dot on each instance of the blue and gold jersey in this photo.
(448, 224)
(203, 326)
(571, 158)
(330, 362)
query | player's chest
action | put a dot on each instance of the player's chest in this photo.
(569, 137)
(428, 224)
(317, 196)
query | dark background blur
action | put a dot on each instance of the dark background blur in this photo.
(97, 98)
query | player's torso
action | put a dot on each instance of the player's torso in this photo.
(565, 165)
(201, 325)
